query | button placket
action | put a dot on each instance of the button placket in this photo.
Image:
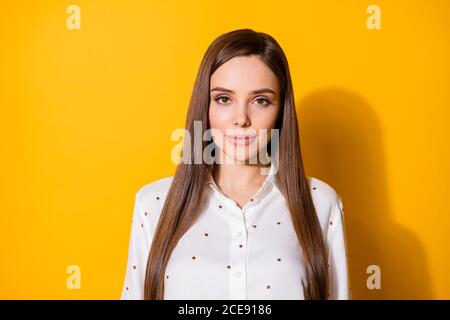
(238, 253)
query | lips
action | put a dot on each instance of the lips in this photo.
(240, 139)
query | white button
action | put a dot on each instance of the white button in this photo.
(238, 273)
(239, 234)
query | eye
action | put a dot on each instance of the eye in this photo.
(222, 99)
(262, 101)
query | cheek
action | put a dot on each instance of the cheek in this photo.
(213, 118)
(265, 120)
(217, 124)
(218, 118)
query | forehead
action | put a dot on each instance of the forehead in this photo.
(244, 74)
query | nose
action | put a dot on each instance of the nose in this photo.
(241, 118)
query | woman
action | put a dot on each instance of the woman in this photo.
(227, 230)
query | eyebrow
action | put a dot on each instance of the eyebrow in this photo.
(259, 91)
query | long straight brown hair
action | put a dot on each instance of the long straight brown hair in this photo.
(181, 207)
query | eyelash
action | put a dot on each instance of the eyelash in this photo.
(267, 102)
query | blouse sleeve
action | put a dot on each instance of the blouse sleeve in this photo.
(337, 253)
(138, 249)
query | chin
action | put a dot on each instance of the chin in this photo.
(242, 158)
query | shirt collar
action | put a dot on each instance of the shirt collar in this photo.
(272, 176)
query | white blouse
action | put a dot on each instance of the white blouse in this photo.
(234, 253)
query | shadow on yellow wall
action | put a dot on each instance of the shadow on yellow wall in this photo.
(341, 132)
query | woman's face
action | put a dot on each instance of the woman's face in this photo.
(244, 95)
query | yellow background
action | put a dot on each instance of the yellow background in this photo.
(86, 118)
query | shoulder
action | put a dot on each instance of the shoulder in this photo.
(326, 200)
(157, 187)
(322, 191)
(152, 195)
